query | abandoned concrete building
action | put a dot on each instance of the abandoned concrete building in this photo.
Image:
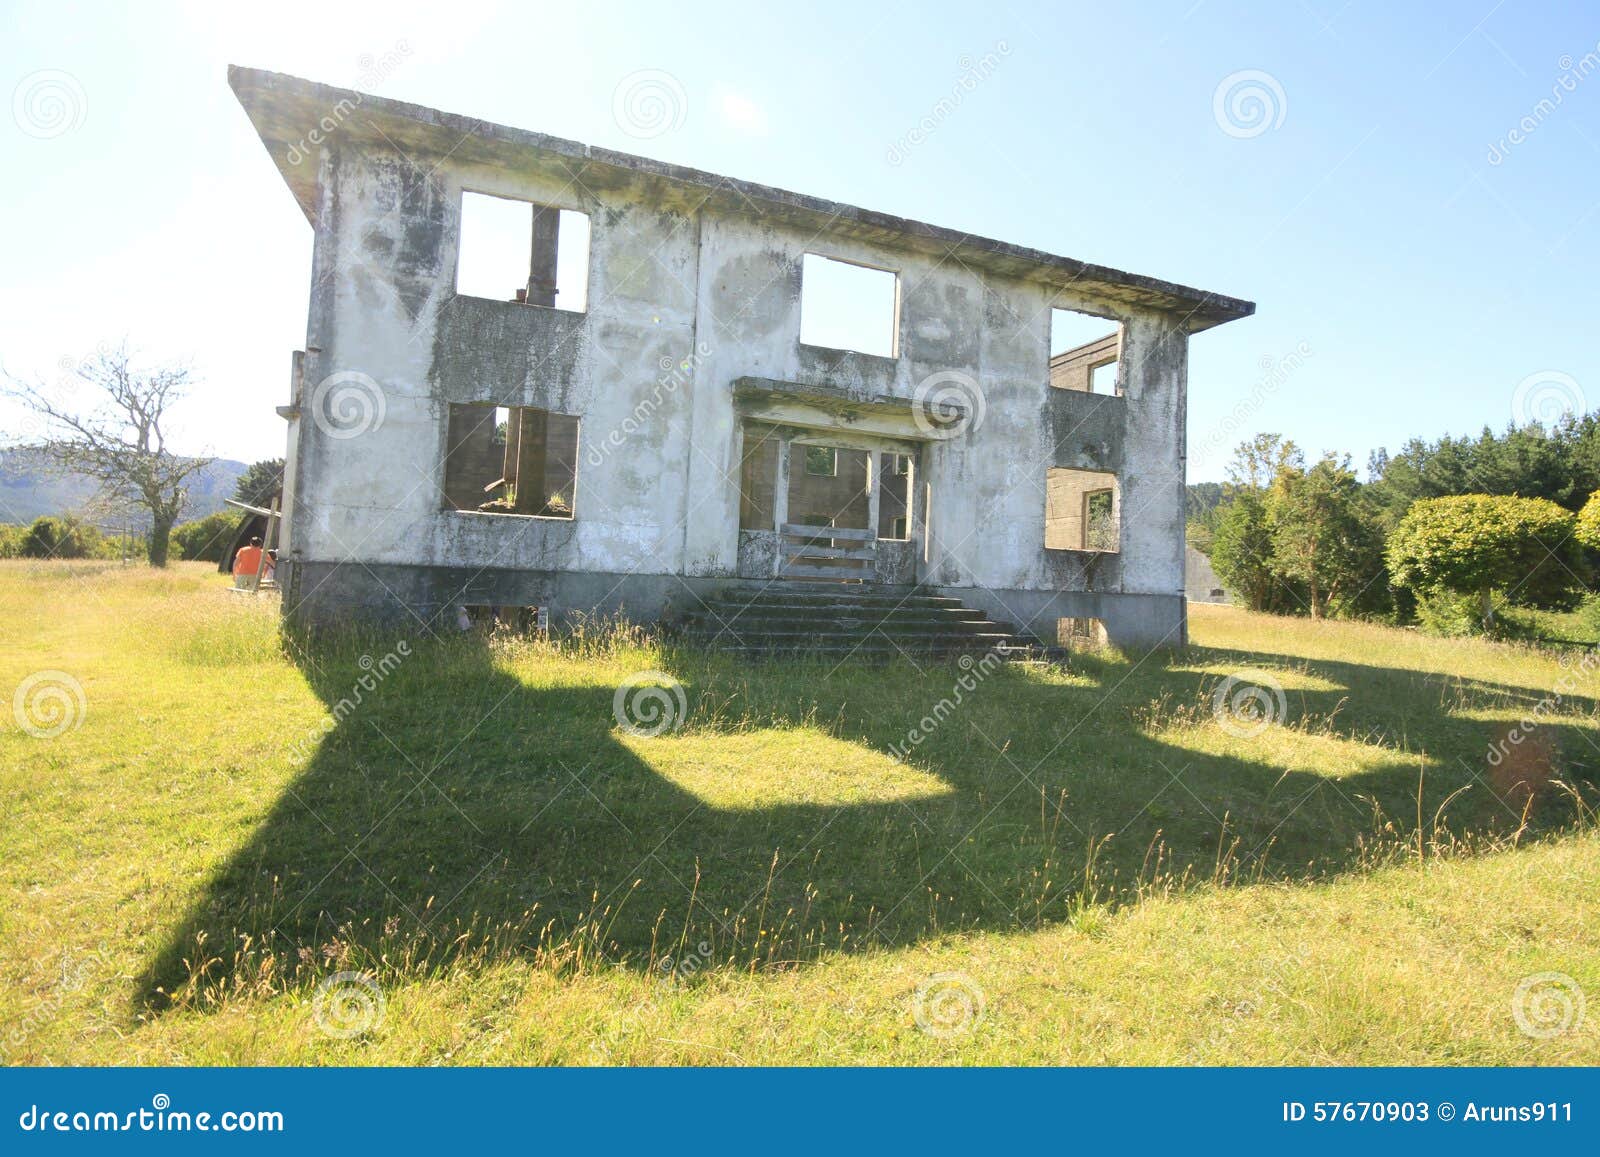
(543, 375)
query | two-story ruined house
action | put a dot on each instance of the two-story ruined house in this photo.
(541, 374)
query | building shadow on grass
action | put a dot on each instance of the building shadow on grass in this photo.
(457, 814)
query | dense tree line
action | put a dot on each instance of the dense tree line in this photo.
(1441, 530)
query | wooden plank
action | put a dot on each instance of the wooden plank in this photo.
(799, 548)
(846, 532)
(791, 571)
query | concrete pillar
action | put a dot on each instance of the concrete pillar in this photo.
(542, 260)
(530, 461)
(874, 489)
(780, 501)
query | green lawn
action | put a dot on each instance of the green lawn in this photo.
(1076, 864)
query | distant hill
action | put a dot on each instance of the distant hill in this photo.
(29, 487)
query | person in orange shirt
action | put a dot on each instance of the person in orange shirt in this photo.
(248, 562)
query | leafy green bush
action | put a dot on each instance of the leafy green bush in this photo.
(1477, 545)
(63, 536)
(206, 538)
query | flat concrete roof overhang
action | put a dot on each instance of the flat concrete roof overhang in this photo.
(295, 116)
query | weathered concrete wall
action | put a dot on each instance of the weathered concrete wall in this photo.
(683, 300)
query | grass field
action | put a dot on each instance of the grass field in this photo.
(398, 850)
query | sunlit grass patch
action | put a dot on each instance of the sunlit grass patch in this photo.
(755, 770)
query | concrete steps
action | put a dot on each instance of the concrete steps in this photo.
(833, 620)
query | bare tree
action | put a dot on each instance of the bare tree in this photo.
(118, 439)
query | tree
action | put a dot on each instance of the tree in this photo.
(1587, 528)
(1241, 546)
(260, 483)
(61, 537)
(1477, 544)
(1320, 534)
(1241, 550)
(1259, 461)
(120, 441)
(206, 538)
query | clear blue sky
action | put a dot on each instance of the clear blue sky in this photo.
(1368, 221)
